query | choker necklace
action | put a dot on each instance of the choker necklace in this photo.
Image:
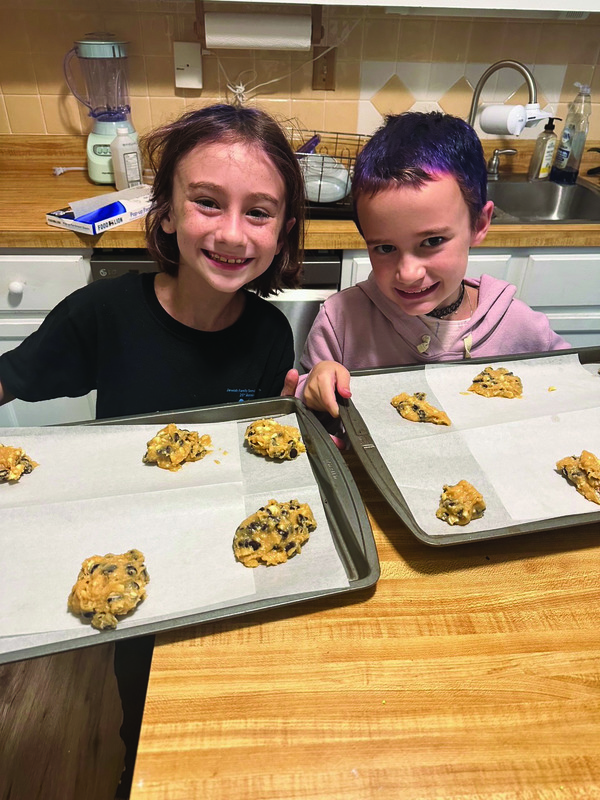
(447, 310)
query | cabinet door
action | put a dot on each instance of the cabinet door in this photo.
(356, 267)
(36, 283)
(31, 284)
(566, 287)
(495, 264)
(19, 413)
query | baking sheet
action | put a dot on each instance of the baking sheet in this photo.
(507, 448)
(92, 494)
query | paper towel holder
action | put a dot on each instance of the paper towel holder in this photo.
(323, 76)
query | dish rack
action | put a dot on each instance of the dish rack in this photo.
(327, 160)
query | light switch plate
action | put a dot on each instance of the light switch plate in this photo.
(188, 65)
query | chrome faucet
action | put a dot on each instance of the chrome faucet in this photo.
(494, 163)
(490, 71)
(505, 118)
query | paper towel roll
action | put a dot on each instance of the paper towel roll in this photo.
(258, 31)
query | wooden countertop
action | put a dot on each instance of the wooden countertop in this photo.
(468, 672)
(29, 189)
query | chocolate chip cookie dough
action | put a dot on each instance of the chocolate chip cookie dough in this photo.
(13, 463)
(459, 504)
(497, 383)
(415, 408)
(270, 438)
(274, 534)
(172, 446)
(108, 587)
(584, 474)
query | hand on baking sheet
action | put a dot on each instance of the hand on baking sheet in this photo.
(324, 379)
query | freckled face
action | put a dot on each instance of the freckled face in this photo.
(228, 211)
(418, 240)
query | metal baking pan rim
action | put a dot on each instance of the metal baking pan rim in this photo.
(336, 485)
(369, 456)
(163, 626)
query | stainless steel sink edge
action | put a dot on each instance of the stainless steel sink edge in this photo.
(520, 201)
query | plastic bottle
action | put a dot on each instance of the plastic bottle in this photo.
(126, 159)
(543, 154)
(572, 140)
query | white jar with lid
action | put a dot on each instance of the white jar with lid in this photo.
(126, 159)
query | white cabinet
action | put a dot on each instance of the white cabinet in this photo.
(566, 287)
(31, 284)
(496, 264)
(355, 268)
(562, 283)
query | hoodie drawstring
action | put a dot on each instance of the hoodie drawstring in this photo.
(468, 343)
(424, 346)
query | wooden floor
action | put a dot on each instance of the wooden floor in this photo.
(60, 718)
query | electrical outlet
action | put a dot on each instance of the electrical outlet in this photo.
(188, 65)
(324, 69)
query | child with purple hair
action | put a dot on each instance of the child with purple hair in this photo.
(419, 192)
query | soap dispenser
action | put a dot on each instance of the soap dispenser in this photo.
(570, 148)
(543, 153)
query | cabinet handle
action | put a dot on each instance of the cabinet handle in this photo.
(16, 287)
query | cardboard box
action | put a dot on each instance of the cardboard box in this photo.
(98, 214)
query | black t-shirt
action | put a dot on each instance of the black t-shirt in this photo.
(114, 336)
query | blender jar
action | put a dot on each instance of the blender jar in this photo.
(103, 64)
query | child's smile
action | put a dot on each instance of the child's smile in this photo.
(418, 240)
(225, 259)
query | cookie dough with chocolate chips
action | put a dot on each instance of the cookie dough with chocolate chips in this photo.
(274, 534)
(172, 446)
(270, 438)
(108, 587)
(13, 463)
(459, 504)
(415, 408)
(583, 473)
(497, 383)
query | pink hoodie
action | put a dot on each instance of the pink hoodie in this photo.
(361, 329)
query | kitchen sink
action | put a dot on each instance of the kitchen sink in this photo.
(543, 202)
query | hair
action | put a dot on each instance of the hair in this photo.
(167, 145)
(412, 148)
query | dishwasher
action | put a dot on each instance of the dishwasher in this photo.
(321, 277)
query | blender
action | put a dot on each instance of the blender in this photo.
(102, 60)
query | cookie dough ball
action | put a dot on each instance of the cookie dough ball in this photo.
(13, 463)
(459, 504)
(497, 383)
(270, 438)
(274, 534)
(415, 408)
(172, 446)
(584, 474)
(108, 587)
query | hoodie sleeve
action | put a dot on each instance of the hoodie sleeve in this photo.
(557, 342)
(505, 325)
(535, 334)
(322, 344)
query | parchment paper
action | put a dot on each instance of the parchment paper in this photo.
(92, 495)
(507, 448)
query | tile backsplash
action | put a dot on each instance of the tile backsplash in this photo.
(384, 63)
